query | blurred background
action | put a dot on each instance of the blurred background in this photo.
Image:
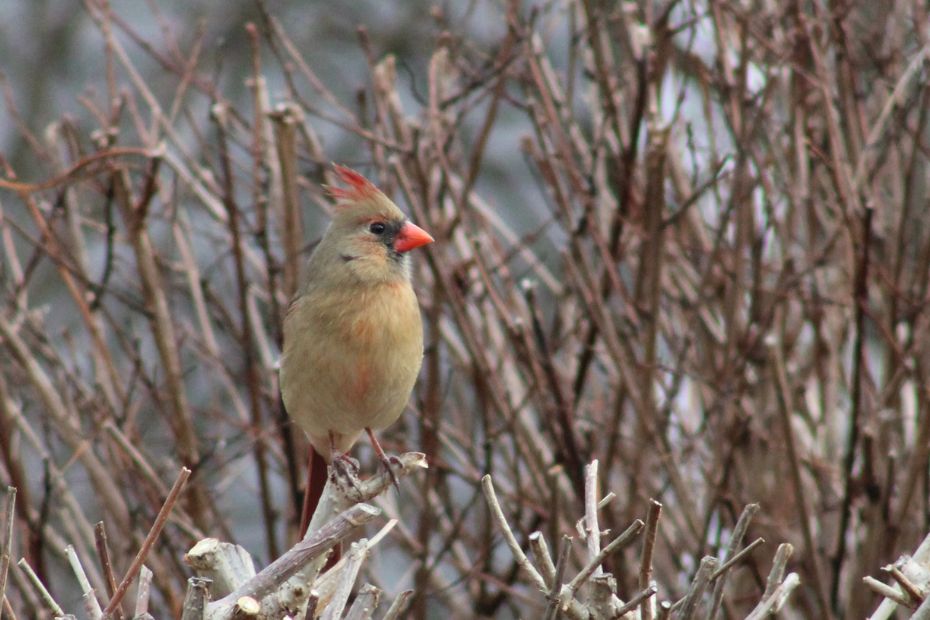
(687, 239)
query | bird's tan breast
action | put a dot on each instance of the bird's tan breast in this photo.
(351, 357)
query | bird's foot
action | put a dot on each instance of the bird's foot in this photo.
(389, 461)
(347, 463)
(386, 461)
(345, 474)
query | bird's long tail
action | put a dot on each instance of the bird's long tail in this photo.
(316, 480)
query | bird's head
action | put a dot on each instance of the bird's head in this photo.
(369, 235)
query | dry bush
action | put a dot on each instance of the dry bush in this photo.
(687, 239)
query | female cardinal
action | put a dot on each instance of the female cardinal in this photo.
(353, 340)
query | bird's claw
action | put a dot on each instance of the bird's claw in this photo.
(387, 461)
(345, 474)
(349, 465)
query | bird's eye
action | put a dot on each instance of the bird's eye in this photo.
(377, 228)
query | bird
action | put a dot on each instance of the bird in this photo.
(352, 334)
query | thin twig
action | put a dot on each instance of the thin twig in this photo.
(91, 604)
(638, 600)
(736, 559)
(488, 486)
(8, 609)
(906, 584)
(887, 591)
(543, 557)
(103, 553)
(739, 531)
(622, 539)
(143, 592)
(160, 520)
(647, 611)
(779, 565)
(352, 564)
(398, 605)
(8, 521)
(776, 599)
(688, 605)
(553, 608)
(44, 594)
(794, 466)
(592, 529)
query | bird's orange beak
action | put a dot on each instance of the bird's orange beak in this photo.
(411, 236)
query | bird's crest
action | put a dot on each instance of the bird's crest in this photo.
(359, 188)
